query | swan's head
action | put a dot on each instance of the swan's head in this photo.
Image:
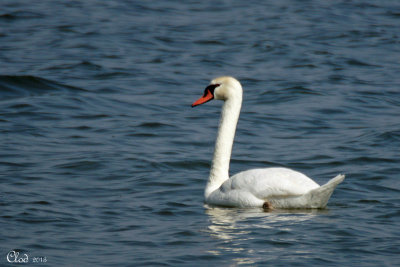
(221, 88)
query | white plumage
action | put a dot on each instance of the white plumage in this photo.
(268, 188)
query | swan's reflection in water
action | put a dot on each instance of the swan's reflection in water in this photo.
(251, 235)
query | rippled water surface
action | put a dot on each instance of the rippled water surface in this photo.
(103, 162)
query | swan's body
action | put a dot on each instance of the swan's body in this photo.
(267, 188)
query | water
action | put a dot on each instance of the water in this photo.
(103, 162)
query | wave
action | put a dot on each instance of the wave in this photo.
(15, 86)
(20, 15)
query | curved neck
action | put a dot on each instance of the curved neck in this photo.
(223, 146)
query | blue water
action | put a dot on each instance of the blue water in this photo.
(103, 162)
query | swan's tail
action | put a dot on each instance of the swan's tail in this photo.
(318, 198)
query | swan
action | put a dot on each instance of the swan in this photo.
(266, 188)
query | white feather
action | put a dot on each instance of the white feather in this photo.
(276, 187)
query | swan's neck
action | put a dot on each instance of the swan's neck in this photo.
(219, 172)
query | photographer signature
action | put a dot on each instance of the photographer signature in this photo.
(15, 257)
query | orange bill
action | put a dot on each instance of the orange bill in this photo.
(205, 98)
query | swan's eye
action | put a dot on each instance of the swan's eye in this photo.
(210, 89)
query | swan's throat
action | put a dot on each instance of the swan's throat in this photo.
(223, 146)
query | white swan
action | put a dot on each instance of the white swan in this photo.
(267, 188)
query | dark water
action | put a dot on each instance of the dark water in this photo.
(103, 162)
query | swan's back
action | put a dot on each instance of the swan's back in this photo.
(268, 182)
